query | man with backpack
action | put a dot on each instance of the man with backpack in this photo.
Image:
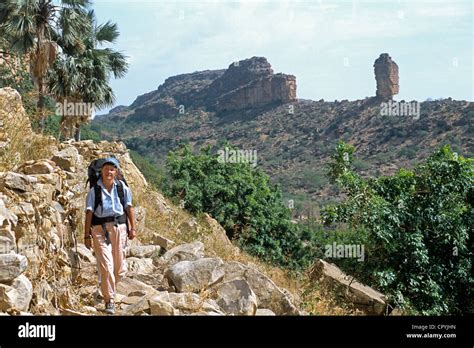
(109, 220)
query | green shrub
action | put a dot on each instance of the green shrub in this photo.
(419, 224)
(242, 199)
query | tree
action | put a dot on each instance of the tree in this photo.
(82, 73)
(31, 26)
(419, 224)
(242, 199)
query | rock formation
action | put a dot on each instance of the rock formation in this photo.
(248, 83)
(386, 75)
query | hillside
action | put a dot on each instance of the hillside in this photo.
(45, 268)
(255, 109)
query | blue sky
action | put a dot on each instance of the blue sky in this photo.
(330, 46)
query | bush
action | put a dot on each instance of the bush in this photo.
(419, 224)
(242, 199)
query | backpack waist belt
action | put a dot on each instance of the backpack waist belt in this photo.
(122, 219)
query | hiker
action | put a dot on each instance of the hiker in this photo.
(109, 220)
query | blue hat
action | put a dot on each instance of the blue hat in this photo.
(111, 160)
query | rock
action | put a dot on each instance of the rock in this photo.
(43, 293)
(126, 286)
(67, 159)
(84, 253)
(363, 297)
(217, 234)
(17, 295)
(235, 297)
(38, 167)
(11, 266)
(163, 242)
(15, 181)
(194, 276)
(140, 217)
(6, 245)
(138, 265)
(210, 305)
(186, 302)
(386, 75)
(251, 83)
(184, 252)
(269, 295)
(264, 312)
(7, 218)
(138, 308)
(143, 251)
(160, 307)
(155, 280)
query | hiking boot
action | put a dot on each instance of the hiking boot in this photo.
(110, 307)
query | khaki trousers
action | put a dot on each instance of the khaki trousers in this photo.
(111, 257)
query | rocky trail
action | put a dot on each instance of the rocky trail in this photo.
(45, 268)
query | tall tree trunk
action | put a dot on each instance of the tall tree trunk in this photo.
(77, 133)
(41, 104)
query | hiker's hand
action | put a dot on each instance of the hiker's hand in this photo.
(132, 234)
(88, 243)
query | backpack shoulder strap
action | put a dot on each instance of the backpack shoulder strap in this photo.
(97, 197)
(121, 194)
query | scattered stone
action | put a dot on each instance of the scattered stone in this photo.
(143, 251)
(235, 297)
(363, 297)
(184, 252)
(264, 312)
(163, 242)
(137, 265)
(194, 276)
(11, 266)
(17, 295)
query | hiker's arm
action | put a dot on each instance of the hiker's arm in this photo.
(131, 217)
(87, 224)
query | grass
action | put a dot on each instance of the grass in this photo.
(309, 297)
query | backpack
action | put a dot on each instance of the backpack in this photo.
(93, 176)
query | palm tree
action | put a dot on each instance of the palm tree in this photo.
(82, 74)
(31, 26)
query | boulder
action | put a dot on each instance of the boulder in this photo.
(269, 295)
(194, 276)
(67, 159)
(84, 253)
(6, 245)
(362, 296)
(235, 297)
(127, 286)
(38, 167)
(186, 302)
(160, 307)
(264, 312)
(16, 181)
(16, 295)
(11, 266)
(138, 265)
(143, 251)
(139, 308)
(163, 242)
(184, 252)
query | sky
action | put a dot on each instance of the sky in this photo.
(330, 46)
